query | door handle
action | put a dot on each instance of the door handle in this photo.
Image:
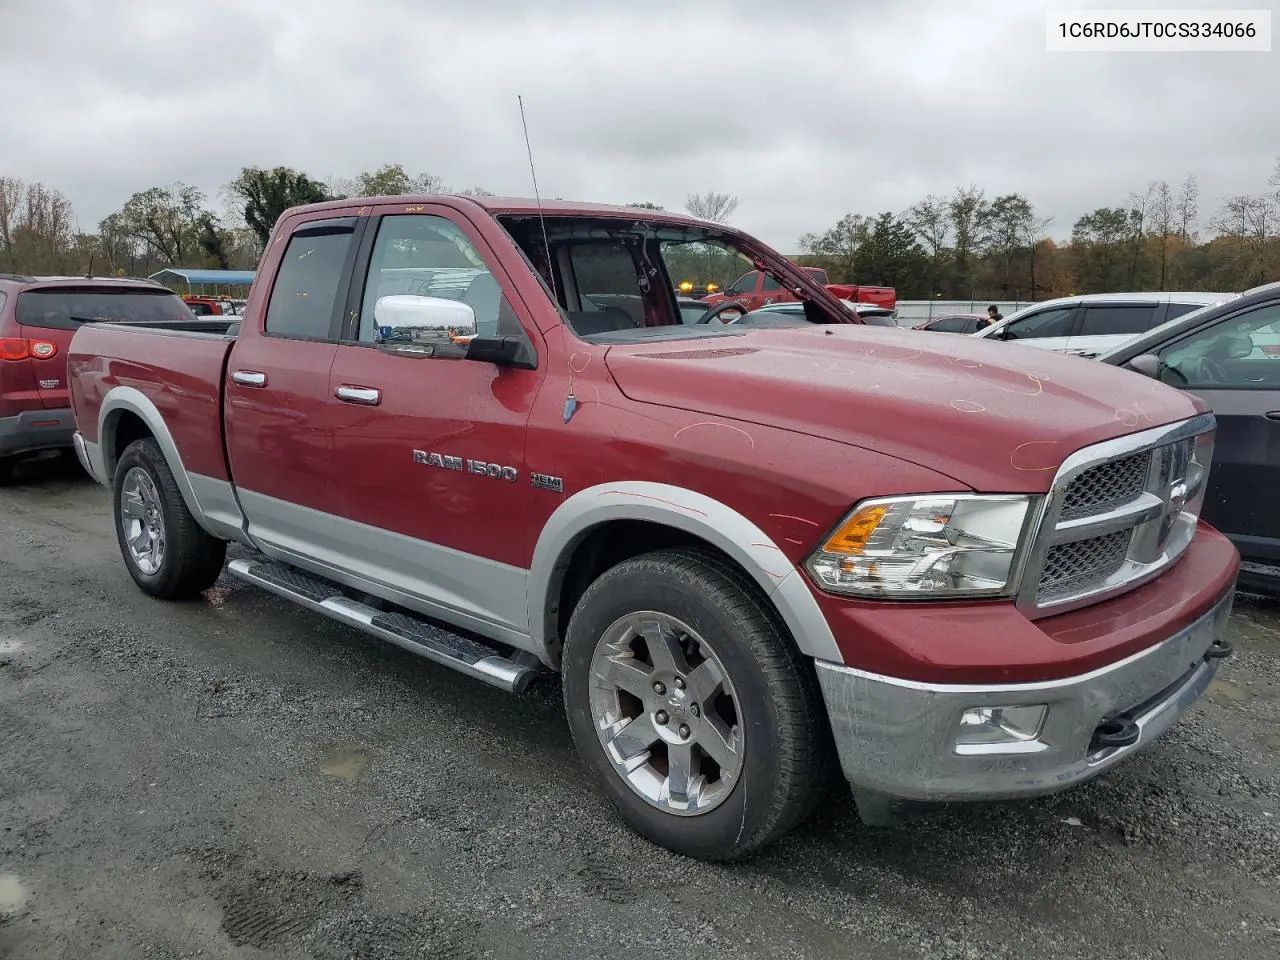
(249, 378)
(1272, 414)
(368, 396)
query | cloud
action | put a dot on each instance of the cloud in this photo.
(805, 110)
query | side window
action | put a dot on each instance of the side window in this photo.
(306, 288)
(1212, 357)
(606, 277)
(744, 284)
(948, 325)
(1117, 318)
(429, 256)
(1055, 322)
(770, 285)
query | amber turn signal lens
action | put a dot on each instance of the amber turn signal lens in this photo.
(854, 533)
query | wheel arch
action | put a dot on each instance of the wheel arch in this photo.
(123, 410)
(668, 515)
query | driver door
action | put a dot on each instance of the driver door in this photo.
(434, 497)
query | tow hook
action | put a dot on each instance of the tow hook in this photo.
(1115, 732)
(1219, 650)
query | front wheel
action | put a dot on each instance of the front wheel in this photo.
(692, 707)
(168, 554)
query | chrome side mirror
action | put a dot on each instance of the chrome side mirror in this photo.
(414, 326)
(1148, 364)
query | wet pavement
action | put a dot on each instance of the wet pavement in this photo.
(239, 778)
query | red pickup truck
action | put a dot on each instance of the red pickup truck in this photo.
(757, 288)
(486, 433)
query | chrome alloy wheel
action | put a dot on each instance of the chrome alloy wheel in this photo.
(666, 713)
(142, 520)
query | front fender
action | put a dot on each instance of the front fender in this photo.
(689, 511)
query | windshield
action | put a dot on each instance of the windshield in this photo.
(66, 308)
(613, 277)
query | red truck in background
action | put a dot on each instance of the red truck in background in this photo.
(212, 306)
(757, 288)
(484, 431)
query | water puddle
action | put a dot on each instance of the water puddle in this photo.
(13, 894)
(343, 762)
(1224, 690)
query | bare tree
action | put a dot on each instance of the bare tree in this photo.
(717, 207)
(930, 219)
(1163, 224)
(1141, 207)
(35, 227)
(1251, 222)
(969, 210)
(1187, 209)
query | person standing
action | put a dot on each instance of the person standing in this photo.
(993, 316)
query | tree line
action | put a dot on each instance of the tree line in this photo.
(965, 246)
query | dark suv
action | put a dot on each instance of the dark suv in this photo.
(38, 315)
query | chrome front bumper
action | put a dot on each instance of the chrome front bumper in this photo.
(898, 738)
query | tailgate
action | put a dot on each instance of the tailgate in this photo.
(48, 317)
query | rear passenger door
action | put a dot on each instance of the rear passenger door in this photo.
(1104, 326)
(277, 389)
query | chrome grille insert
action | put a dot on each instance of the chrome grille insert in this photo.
(1080, 565)
(1118, 513)
(1105, 486)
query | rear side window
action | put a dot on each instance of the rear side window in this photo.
(949, 325)
(67, 308)
(311, 273)
(770, 284)
(1117, 318)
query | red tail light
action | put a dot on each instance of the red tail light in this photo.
(13, 348)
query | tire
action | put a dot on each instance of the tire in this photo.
(784, 758)
(189, 560)
(7, 465)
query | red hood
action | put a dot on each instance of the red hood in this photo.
(994, 416)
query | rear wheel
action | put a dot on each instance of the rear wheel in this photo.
(168, 554)
(692, 707)
(7, 465)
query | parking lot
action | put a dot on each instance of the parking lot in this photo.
(241, 778)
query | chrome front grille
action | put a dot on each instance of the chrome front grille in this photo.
(1107, 485)
(1076, 567)
(1118, 513)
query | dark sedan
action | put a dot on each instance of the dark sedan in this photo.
(1228, 354)
(953, 323)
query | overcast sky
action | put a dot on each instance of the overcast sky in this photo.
(805, 109)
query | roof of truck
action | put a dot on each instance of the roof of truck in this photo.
(524, 206)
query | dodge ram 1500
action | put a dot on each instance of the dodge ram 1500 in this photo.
(478, 428)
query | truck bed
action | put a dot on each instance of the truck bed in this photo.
(177, 365)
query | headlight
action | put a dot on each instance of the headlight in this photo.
(925, 546)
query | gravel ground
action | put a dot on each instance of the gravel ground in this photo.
(240, 778)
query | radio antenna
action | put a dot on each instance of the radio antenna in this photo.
(546, 244)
